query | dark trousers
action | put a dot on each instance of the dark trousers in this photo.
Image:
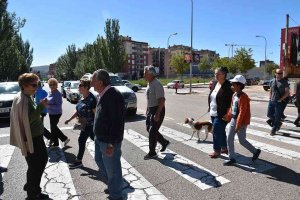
(298, 106)
(47, 133)
(36, 165)
(153, 127)
(274, 113)
(83, 136)
(55, 131)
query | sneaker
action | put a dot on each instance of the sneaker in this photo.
(164, 147)
(66, 141)
(150, 156)
(270, 122)
(256, 155)
(75, 165)
(229, 162)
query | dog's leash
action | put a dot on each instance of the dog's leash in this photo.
(203, 115)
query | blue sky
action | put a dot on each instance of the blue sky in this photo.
(53, 25)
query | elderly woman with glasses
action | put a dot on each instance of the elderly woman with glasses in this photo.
(219, 101)
(85, 111)
(26, 132)
(55, 111)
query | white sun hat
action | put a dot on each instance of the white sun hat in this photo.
(238, 79)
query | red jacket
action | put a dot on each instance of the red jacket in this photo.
(244, 115)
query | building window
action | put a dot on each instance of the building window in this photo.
(128, 61)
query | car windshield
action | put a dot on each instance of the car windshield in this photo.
(115, 81)
(9, 88)
(74, 85)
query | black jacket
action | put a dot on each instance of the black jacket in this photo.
(110, 117)
(224, 97)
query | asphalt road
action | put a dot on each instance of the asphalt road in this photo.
(184, 171)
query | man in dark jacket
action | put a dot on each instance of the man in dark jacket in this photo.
(298, 104)
(109, 132)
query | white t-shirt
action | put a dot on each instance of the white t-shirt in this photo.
(154, 92)
(213, 101)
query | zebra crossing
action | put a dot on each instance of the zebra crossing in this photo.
(57, 179)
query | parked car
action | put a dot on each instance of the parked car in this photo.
(251, 81)
(8, 91)
(63, 87)
(134, 87)
(172, 84)
(266, 85)
(72, 92)
(128, 94)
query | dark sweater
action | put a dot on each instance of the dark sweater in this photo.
(110, 117)
(224, 97)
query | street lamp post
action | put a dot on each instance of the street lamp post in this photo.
(265, 53)
(191, 62)
(169, 52)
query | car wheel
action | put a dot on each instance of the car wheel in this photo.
(135, 89)
(168, 87)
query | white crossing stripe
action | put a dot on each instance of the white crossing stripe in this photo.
(6, 152)
(267, 148)
(143, 189)
(4, 135)
(258, 165)
(56, 179)
(191, 171)
(264, 121)
(266, 126)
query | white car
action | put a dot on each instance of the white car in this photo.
(172, 84)
(8, 91)
(72, 92)
(134, 87)
(128, 94)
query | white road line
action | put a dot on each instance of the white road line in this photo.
(191, 171)
(66, 128)
(264, 121)
(267, 148)
(269, 128)
(258, 165)
(4, 135)
(56, 179)
(6, 152)
(143, 189)
(143, 112)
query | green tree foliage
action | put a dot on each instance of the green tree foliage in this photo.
(205, 64)
(243, 59)
(177, 61)
(66, 64)
(271, 67)
(15, 54)
(225, 62)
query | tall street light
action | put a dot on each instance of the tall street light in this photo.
(169, 51)
(191, 62)
(265, 53)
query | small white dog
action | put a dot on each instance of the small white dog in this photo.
(197, 126)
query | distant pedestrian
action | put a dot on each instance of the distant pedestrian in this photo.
(176, 86)
(239, 118)
(85, 113)
(298, 104)
(39, 95)
(109, 131)
(155, 112)
(26, 132)
(55, 111)
(279, 90)
(285, 101)
(218, 104)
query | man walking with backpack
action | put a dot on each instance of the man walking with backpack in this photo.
(279, 91)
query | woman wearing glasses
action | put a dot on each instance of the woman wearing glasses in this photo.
(55, 111)
(85, 110)
(26, 132)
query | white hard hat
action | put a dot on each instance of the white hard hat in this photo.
(238, 79)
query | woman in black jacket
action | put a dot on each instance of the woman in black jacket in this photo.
(219, 100)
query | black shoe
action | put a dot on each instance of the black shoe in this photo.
(256, 155)
(164, 147)
(106, 191)
(3, 169)
(150, 156)
(229, 162)
(75, 165)
(296, 124)
(270, 122)
(38, 197)
(279, 126)
(283, 116)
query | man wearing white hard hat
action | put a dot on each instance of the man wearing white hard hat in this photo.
(239, 118)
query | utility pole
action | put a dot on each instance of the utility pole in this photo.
(234, 45)
(286, 44)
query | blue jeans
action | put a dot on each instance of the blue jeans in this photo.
(274, 113)
(110, 166)
(219, 133)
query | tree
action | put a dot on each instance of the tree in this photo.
(113, 51)
(225, 62)
(205, 64)
(270, 68)
(177, 61)
(66, 63)
(243, 59)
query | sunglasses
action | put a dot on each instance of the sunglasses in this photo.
(52, 85)
(81, 85)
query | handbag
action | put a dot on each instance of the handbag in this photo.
(80, 123)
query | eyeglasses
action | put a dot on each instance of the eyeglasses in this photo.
(52, 85)
(279, 73)
(81, 85)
